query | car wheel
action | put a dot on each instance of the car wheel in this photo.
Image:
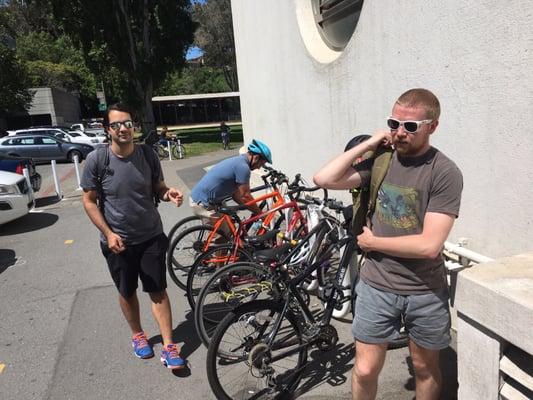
(73, 153)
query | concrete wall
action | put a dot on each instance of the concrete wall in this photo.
(494, 303)
(62, 106)
(306, 101)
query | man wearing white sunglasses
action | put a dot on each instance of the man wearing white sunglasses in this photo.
(403, 277)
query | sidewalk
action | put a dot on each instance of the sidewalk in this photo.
(60, 309)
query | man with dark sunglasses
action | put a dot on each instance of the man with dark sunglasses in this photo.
(118, 197)
(403, 277)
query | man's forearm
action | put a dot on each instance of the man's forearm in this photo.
(96, 217)
(411, 246)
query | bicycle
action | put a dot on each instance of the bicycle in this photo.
(269, 339)
(244, 247)
(185, 248)
(228, 287)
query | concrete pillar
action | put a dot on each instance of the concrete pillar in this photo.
(494, 303)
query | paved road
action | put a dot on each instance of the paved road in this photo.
(62, 335)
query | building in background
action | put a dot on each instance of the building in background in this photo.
(196, 109)
(50, 106)
(312, 74)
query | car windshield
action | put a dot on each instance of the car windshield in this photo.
(74, 134)
(90, 134)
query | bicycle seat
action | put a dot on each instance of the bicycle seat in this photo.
(260, 239)
(271, 255)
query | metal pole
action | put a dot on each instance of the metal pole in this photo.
(56, 181)
(179, 149)
(77, 168)
(26, 174)
(169, 152)
(469, 254)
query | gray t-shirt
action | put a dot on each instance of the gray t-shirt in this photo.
(128, 206)
(412, 187)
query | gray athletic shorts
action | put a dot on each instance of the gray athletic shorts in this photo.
(378, 317)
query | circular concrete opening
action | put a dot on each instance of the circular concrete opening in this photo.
(326, 26)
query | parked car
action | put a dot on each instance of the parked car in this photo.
(97, 130)
(17, 165)
(16, 199)
(62, 133)
(43, 148)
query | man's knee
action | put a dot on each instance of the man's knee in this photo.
(158, 297)
(364, 370)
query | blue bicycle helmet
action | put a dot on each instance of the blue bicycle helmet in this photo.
(258, 147)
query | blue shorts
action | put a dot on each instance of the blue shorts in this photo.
(378, 317)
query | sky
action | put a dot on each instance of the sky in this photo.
(193, 52)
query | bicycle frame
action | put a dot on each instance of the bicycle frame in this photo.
(293, 293)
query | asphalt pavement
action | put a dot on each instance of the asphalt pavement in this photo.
(62, 335)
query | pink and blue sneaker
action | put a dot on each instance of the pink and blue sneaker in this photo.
(141, 347)
(170, 357)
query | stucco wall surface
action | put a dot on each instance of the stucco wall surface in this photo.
(477, 57)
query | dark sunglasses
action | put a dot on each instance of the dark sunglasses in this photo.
(408, 126)
(128, 124)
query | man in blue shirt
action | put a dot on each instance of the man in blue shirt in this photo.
(230, 177)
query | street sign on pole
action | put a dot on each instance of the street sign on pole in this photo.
(102, 107)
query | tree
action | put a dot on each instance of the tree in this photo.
(14, 93)
(215, 37)
(192, 80)
(137, 42)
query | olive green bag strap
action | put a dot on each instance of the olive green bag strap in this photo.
(379, 170)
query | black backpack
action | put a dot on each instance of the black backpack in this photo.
(103, 170)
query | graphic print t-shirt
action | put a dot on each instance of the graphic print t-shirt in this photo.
(411, 188)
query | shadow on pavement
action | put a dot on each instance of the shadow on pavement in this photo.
(332, 367)
(7, 259)
(185, 332)
(30, 222)
(46, 201)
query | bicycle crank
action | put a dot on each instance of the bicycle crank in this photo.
(327, 338)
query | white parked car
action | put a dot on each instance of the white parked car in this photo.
(68, 136)
(16, 198)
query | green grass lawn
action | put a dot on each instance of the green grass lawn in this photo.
(198, 148)
(203, 140)
(198, 141)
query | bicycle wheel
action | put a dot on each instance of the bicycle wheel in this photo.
(207, 263)
(183, 224)
(228, 288)
(184, 249)
(178, 151)
(240, 362)
(162, 153)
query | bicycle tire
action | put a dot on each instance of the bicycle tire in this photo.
(253, 353)
(176, 150)
(403, 338)
(206, 264)
(213, 302)
(162, 153)
(184, 249)
(183, 224)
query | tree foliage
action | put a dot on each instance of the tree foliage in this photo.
(193, 80)
(215, 37)
(14, 93)
(137, 42)
(14, 83)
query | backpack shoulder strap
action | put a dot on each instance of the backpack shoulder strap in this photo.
(383, 157)
(152, 159)
(102, 170)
